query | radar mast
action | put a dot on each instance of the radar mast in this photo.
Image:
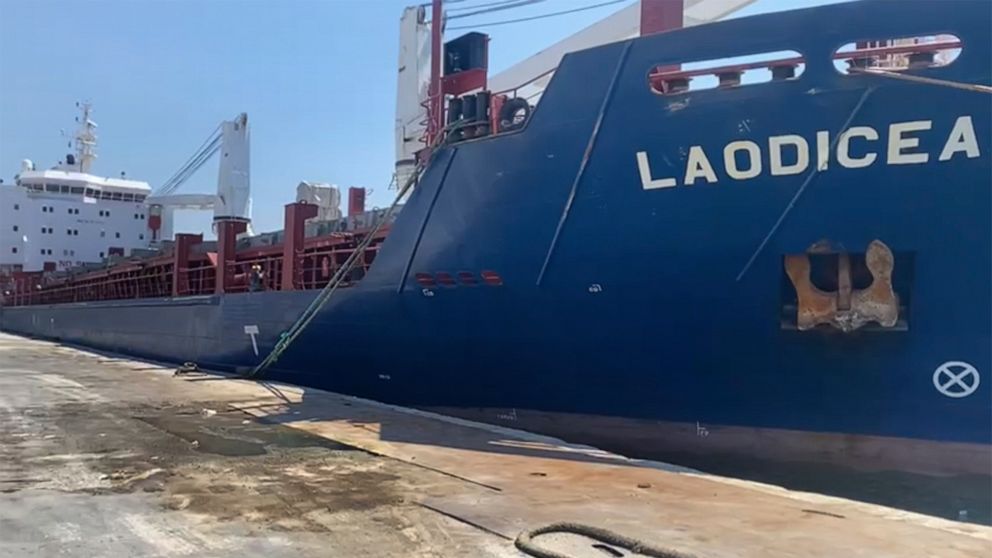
(85, 138)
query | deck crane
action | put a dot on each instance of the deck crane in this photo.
(231, 202)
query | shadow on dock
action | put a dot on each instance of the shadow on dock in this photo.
(965, 497)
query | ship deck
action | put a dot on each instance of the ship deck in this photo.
(105, 456)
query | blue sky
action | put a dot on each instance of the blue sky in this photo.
(316, 77)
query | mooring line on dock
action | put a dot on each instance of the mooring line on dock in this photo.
(525, 541)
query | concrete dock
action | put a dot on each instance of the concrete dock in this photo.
(105, 456)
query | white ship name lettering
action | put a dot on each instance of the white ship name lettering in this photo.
(789, 154)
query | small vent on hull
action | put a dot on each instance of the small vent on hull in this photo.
(425, 280)
(445, 278)
(492, 278)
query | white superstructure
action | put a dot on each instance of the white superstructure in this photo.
(64, 216)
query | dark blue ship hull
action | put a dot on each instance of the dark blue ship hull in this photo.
(644, 317)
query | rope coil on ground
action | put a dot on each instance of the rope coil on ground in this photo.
(525, 541)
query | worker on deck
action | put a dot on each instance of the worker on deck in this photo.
(256, 279)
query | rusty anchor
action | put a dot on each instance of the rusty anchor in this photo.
(846, 309)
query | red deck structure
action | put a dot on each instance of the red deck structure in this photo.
(190, 269)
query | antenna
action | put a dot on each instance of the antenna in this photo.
(85, 137)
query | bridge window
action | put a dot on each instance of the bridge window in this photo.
(128, 197)
(77, 190)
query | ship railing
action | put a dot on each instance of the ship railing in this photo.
(321, 257)
(908, 54)
(514, 91)
(320, 265)
(477, 126)
(129, 283)
(200, 277)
